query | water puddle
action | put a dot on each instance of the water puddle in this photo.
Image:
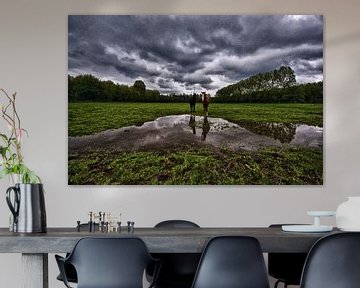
(208, 127)
(294, 134)
(175, 130)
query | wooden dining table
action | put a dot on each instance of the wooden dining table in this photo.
(35, 247)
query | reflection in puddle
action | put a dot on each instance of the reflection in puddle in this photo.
(192, 123)
(310, 136)
(284, 132)
(294, 134)
(212, 129)
(178, 130)
(205, 128)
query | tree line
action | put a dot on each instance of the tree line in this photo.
(283, 77)
(277, 86)
(88, 88)
(301, 93)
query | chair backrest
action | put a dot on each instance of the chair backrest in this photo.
(286, 267)
(176, 224)
(110, 262)
(333, 262)
(232, 262)
(178, 269)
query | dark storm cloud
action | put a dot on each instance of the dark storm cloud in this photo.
(165, 83)
(183, 53)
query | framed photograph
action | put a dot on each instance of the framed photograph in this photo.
(195, 100)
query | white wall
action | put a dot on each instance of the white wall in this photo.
(33, 62)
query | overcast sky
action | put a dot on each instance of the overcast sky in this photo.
(182, 54)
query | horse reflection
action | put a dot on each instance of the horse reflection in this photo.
(192, 123)
(205, 128)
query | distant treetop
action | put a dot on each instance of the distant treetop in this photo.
(279, 78)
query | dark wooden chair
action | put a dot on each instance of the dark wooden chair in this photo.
(108, 262)
(178, 269)
(232, 261)
(333, 262)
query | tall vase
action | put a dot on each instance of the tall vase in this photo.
(348, 214)
(27, 204)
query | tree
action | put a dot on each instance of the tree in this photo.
(84, 88)
(279, 78)
(139, 86)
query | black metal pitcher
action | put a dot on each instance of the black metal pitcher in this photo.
(28, 208)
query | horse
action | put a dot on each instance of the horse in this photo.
(205, 98)
(192, 102)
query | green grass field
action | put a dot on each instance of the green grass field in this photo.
(199, 167)
(90, 118)
(192, 165)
